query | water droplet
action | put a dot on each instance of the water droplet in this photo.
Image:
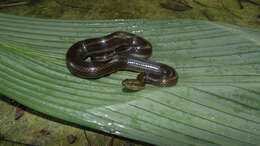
(116, 132)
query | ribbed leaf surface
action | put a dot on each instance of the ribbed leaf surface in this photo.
(216, 101)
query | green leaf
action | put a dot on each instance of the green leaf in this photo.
(216, 101)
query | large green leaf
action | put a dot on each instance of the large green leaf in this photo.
(216, 102)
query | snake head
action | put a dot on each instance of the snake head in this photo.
(133, 84)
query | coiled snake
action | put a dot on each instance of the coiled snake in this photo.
(119, 51)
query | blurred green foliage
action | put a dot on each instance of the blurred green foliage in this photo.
(227, 11)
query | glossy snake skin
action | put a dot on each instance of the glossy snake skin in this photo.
(98, 57)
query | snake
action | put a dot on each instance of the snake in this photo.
(119, 51)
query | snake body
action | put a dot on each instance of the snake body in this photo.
(98, 57)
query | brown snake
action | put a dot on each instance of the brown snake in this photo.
(119, 51)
